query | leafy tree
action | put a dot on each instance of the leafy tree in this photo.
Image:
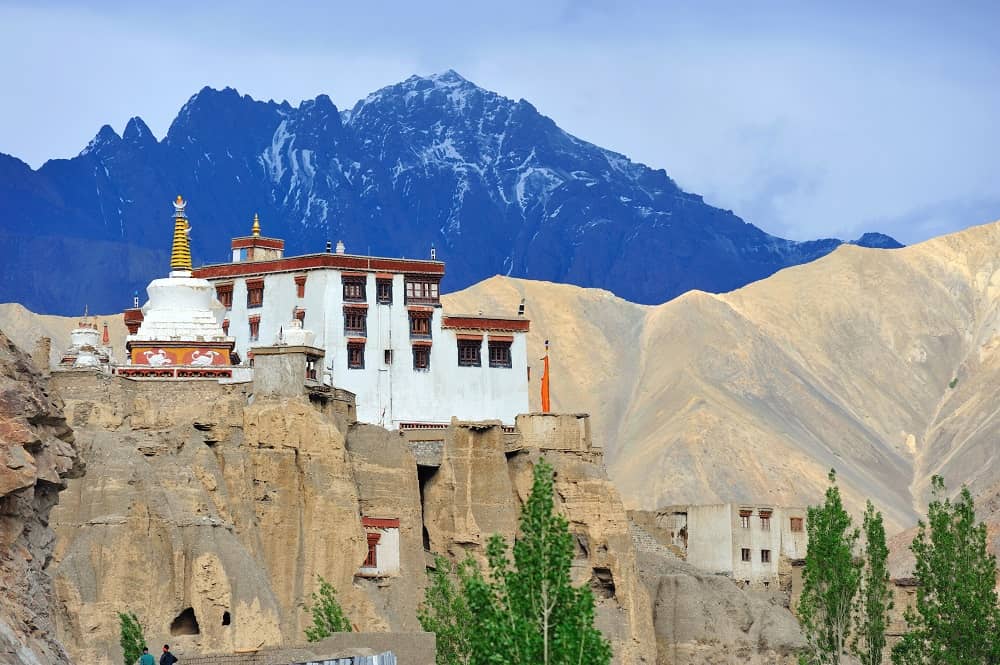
(956, 618)
(830, 579)
(327, 615)
(875, 594)
(528, 612)
(445, 611)
(131, 638)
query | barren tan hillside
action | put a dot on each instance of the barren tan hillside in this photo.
(753, 395)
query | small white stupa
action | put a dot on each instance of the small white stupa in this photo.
(180, 326)
(87, 349)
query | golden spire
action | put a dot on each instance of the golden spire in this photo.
(256, 226)
(180, 253)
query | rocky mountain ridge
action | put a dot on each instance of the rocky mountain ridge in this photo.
(495, 186)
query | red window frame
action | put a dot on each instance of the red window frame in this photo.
(355, 355)
(470, 353)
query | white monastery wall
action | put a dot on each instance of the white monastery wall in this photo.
(710, 537)
(387, 393)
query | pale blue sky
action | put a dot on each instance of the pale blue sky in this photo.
(829, 119)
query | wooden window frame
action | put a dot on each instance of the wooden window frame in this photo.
(421, 358)
(224, 294)
(795, 524)
(355, 289)
(225, 327)
(422, 291)
(255, 294)
(355, 355)
(500, 355)
(765, 520)
(254, 323)
(746, 555)
(745, 516)
(420, 325)
(765, 556)
(351, 316)
(300, 286)
(470, 353)
(383, 291)
(371, 559)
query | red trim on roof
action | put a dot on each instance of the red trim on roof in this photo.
(355, 305)
(313, 261)
(357, 340)
(471, 338)
(421, 342)
(380, 522)
(486, 323)
(267, 243)
(412, 309)
(384, 275)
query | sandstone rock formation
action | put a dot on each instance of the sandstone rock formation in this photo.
(37, 455)
(210, 510)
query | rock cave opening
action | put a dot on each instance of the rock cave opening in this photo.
(424, 474)
(226, 620)
(185, 623)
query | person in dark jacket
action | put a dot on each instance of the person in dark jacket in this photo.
(167, 658)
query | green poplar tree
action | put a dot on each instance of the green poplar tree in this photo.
(327, 615)
(830, 580)
(875, 595)
(130, 637)
(956, 618)
(445, 611)
(528, 612)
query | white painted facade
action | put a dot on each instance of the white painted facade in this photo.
(386, 553)
(388, 393)
(744, 541)
(180, 307)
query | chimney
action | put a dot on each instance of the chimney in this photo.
(434, 253)
(329, 246)
(135, 299)
(340, 247)
(520, 308)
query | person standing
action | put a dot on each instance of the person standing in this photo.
(146, 658)
(167, 658)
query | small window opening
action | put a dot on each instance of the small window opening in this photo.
(226, 620)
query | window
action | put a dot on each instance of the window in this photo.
(300, 286)
(225, 326)
(765, 520)
(355, 320)
(469, 352)
(311, 371)
(254, 328)
(354, 289)
(765, 556)
(355, 355)
(224, 292)
(387, 356)
(745, 518)
(383, 291)
(421, 291)
(421, 357)
(420, 324)
(499, 354)
(796, 524)
(300, 315)
(371, 561)
(255, 293)
(745, 554)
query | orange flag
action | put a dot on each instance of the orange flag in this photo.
(546, 406)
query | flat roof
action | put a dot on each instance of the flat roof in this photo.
(321, 261)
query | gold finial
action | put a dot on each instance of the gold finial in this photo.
(180, 253)
(256, 226)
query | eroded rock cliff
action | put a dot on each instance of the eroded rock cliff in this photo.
(37, 456)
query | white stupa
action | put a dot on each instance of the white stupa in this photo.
(86, 349)
(181, 323)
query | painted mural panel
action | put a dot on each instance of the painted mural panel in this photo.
(169, 356)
